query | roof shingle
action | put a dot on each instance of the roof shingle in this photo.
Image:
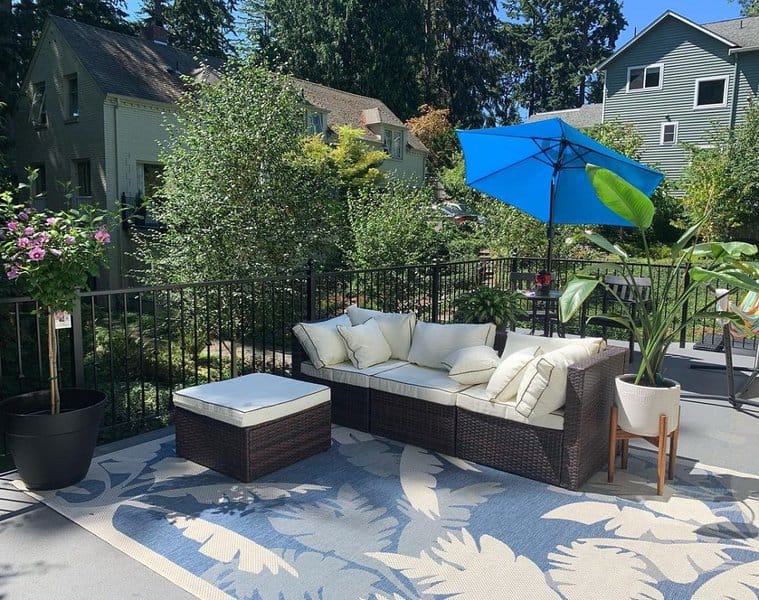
(585, 116)
(743, 32)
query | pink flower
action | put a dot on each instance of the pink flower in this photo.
(24, 242)
(42, 238)
(36, 254)
(13, 273)
(69, 239)
(101, 235)
(28, 230)
(52, 220)
(12, 225)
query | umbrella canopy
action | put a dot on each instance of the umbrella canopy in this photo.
(540, 169)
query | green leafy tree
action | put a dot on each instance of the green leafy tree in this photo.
(200, 26)
(749, 8)
(554, 47)
(433, 127)
(235, 202)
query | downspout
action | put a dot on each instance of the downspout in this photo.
(122, 235)
(734, 107)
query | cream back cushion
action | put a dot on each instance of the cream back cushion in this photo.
(397, 328)
(365, 344)
(544, 384)
(504, 383)
(432, 342)
(518, 341)
(322, 343)
(473, 365)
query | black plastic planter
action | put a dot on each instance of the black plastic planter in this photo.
(53, 451)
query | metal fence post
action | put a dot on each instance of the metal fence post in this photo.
(684, 314)
(310, 290)
(435, 291)
(77, 342)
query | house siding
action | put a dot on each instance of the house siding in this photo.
(687, 55)
(410, 168)
(63, 141)
(748, 82)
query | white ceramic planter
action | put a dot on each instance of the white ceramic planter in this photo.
(641, 406)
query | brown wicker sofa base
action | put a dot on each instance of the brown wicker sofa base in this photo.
(246, 453)
(350, 403)
(414, 421)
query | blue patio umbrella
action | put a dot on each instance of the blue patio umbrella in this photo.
(540, 169)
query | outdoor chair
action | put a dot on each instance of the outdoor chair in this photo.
(539, 312)
(620, 289)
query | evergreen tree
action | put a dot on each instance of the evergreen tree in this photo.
(200, 26)
(555, 44)
(749, 8)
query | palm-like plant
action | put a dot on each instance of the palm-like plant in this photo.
(726, 262)
(488, 305)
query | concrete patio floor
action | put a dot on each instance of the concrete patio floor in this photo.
(44, 555)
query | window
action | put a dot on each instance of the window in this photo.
(394, 143)
(40, 184)
(315, 122)
(38, 114)
(151, 178)
(72, 82)
(711, 92)
(668, 133)
(645, 77)
(83, 178)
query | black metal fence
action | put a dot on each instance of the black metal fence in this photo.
(140, 344)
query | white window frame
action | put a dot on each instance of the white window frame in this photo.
(645, 68)
(389, 134)
(661, 133)
(723, 104)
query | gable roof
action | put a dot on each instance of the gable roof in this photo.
(345, 108)
(585, 116)
(127, 65)
(706, 29)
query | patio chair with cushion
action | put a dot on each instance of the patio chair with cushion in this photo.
(620, 289)
(748, 309)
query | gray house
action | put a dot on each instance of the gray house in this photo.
(676, 81)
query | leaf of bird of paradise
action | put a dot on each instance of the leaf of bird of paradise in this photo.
(459, 569)
(224, 545)
(586, 513)
(218, 494)
(418, 470)
(739, 583)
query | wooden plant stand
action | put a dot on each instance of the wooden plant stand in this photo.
(616, 434)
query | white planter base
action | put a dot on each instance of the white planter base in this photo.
(641, 406)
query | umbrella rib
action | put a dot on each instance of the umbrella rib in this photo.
(506, 168)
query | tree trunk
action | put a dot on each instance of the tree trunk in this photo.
(52, 354)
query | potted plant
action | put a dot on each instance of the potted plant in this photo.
(51, 434)
(643, 396)
(490, 305)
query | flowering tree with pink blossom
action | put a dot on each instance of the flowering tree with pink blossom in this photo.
(49, 255)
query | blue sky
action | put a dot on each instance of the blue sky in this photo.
(638, 13)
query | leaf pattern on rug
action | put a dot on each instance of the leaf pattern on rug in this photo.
(224, 545)
(418, 470)
(458, 568)
(739, 583)
(244, 493)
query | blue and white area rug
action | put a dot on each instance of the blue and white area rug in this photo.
(379, 520)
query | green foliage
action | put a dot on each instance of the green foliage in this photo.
(236, 200)
(395, 226)
(722, 181)
(556, 45)
(488, 305)
(620, 137)
(749, 8)
(433, 127)
(662, 323)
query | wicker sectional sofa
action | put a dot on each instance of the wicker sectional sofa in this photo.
(425, 407)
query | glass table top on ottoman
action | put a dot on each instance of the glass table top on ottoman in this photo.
(252, 425)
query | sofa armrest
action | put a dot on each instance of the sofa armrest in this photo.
(590, 393)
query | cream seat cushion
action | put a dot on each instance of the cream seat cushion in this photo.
(397, 328)
(543, 387)
(322, 343)
(432, 342)
(476, 399)
(472, 365)
(251, 399)
(365, 344)
(422, 383)
(347, 374)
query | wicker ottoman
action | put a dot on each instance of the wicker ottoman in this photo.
(252, 425)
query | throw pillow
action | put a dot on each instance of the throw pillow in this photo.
(518, 341)
(397, 328)
(504, 383)
(544, 384)
(473, 365)
(365, 344)
(432, 342)
(322, 343)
